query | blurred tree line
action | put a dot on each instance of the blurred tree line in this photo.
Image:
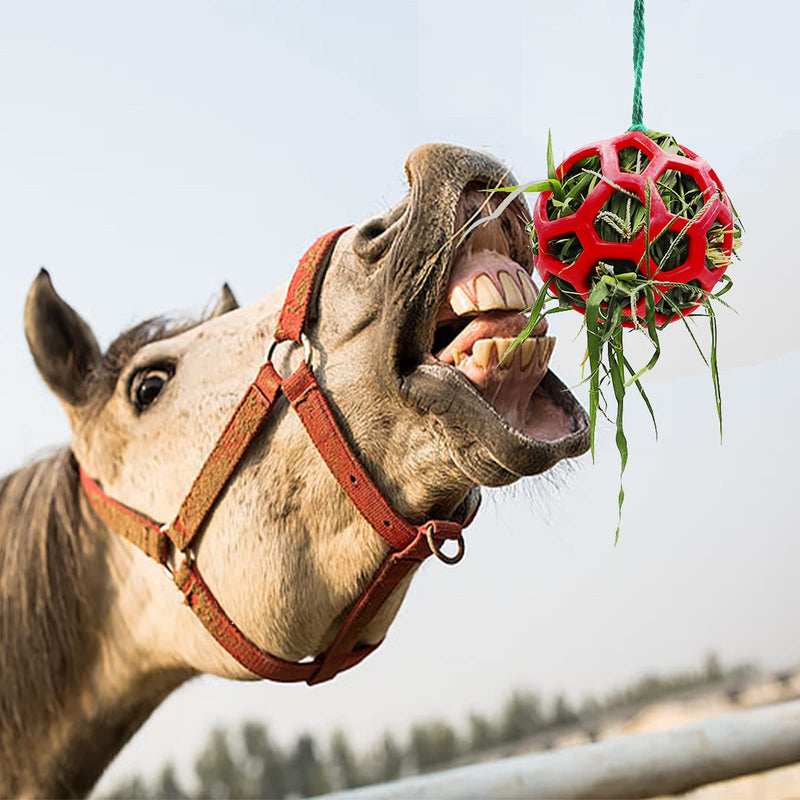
(248, 763)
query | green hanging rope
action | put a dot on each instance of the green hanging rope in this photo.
(638, 63)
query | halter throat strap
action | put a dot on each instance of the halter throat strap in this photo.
(408, 544)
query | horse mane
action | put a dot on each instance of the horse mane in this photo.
(45, 614)
(51, 582)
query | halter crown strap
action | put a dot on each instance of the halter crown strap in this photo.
(409, 544)
(301, 288)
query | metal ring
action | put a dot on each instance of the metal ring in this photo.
(307, 352)
(271, 349)
(304, 340)
(440, 554)
(189, 555)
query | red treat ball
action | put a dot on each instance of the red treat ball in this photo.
(707, 226)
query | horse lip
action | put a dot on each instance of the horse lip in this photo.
(440, 389)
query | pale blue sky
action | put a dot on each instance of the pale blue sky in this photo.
(151, 150)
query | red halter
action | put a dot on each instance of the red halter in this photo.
(409, 544)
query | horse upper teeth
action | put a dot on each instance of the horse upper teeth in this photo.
(511, 289)
(460, 301)
(488, 294)
(482, 352)
(498, 287)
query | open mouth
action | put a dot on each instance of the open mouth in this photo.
(481, 314)
(500, 420)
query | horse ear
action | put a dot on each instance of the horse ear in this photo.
(62, 344)
(225, 302)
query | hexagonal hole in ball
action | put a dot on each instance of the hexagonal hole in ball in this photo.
(632, 160)
(621, 218)
(680, 193)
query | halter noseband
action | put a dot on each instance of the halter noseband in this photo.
(409, 544)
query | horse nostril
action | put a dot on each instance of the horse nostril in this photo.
(376, 235)
(372, 240)
(372, 229)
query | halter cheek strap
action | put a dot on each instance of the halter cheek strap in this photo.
(409, 545)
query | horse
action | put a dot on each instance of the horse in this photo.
(405, 319)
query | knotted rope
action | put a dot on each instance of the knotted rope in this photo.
(638, 63)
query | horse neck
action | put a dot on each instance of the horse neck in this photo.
(75, 683)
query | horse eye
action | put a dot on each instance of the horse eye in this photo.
(147, 385)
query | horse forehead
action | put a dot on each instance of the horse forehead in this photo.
(240, 330)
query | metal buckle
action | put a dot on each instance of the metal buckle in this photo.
(439, 553)
(304, 340)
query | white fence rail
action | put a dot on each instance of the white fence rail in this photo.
(633, 766)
